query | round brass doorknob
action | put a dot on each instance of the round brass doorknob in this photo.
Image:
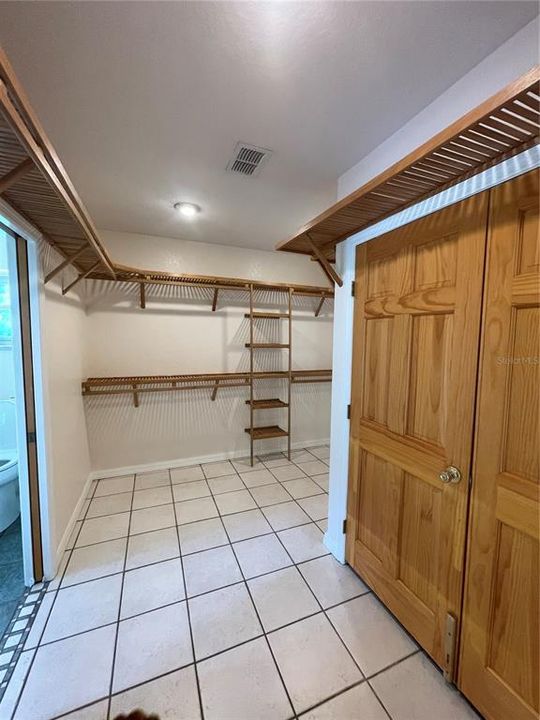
(450, 475)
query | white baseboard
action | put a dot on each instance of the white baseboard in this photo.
(186, 462)
(61, 549)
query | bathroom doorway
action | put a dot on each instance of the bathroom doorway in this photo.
(20, 533)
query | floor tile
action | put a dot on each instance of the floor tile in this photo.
(109, 505)
(84, 607)
(152, 547)
(201, 535)
(75, 534)
(372, 635)
(415, 690)
(270, 495)
(288, 472)
(246, 525)
(186, 474)
(192, 510)
(84, 510)
(285, 515)
(316, 506)
(96, 711)
(80, 665)
(302, 488)
(221, 619)
(152, 644)
(274, 461)
(152, 518)
(215, 469)
(191, 490)
(234, 502)
(313, 467)
(331, 581)
(210, 570)
(322, 452)
(313, 662)
(230, 693)
(359, 702)
(304, 542)
(152, 497)
(109, 527)
(282, 597)
(322, 524)
(34, 635)
(156, 478)
(162, 697)
(244, 464)
(113, 486)
(94, 561)
(322, 480)
(11, 694)
(298, 456)
(257, 478)
(226, 483)
(261, 555)
(153, 586)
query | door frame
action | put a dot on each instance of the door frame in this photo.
(24, 266)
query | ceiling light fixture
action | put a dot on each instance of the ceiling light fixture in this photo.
(187, 209)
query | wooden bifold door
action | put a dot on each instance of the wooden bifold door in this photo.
(446, 308)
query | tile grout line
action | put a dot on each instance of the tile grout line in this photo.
(188, 612)
(115, 646)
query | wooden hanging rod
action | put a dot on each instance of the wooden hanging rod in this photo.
(502, 126)
(136, 385)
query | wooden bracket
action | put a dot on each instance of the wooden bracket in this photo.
(319, 306)
(80, 277)
(64, 264)
(135, 396)
(16, 174)
(328, 270)
(214, 302)
(214, 391)
(143, 295)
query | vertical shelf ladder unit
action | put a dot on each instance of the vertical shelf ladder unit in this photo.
(263, 432)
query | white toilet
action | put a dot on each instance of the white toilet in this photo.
(9, 489)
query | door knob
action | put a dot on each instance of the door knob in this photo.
(450, 475)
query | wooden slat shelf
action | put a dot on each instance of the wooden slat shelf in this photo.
(259, 346)
(263, 433)
(267, 404)
(499, 128)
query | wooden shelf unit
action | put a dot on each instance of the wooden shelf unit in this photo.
(267, 404)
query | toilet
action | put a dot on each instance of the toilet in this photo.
(9, 489)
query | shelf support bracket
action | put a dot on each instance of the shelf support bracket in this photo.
(143, 295)
(64, 264)
(80, 277)
(214, 300)
(328, 270)
(16, 174)
(214, 391)
(135, 396)
(319, 306)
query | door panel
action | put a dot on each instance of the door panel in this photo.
(499, 669)
(416, 338)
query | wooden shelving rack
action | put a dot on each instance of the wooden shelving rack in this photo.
(263, 432)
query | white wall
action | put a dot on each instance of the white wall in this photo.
(179, 333)
(507, 63)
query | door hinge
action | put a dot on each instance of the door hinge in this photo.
(345, 526)
(450, 639)
(349, 411)
(30, 437)
(353, 288)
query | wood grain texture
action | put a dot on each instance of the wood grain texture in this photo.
(500, 669)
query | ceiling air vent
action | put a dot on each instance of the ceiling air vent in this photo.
(248, 159)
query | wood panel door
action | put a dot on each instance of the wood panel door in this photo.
(499, 669)
(416, 343)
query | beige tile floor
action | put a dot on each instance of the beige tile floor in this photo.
(207, 592)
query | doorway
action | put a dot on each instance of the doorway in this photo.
(20, 528)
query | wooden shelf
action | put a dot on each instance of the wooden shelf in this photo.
(271, 431)
(502, 126)
(267, 316)
(267, 404)
(260, 346)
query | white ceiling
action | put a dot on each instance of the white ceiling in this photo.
(145, 101)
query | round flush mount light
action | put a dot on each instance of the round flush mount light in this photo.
(187, 209)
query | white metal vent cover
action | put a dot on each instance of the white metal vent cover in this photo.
(248, 159)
